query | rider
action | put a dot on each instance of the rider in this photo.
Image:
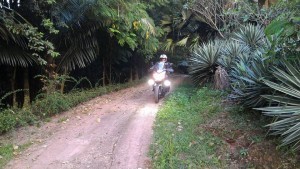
(166, 65)
(163, 60)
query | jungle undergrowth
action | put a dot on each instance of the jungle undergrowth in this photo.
(198, 128)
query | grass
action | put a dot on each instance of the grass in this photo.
(8, 151)
(196, 129)
(178, 140)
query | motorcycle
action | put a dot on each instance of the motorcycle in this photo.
(159, 81)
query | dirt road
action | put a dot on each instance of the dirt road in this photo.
(109, 132)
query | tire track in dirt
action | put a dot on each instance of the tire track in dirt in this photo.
(114, 131)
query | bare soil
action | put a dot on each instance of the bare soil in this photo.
(112, 131)
(244, 150)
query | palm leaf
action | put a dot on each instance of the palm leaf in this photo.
(288, 111)
(247, 84)
(182, 42)
(204, 61)
(251, 36)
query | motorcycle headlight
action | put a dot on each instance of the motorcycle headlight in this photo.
(167, 83)
(158, 76)
(150, 82)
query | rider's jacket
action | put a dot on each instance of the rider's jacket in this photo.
(162, 65)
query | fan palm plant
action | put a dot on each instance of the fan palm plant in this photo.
(77, 41)
(203, 62)
(251, 36)
(231, 51)
(287, 111)
(82, 47)
(246, 82)
(249, 66)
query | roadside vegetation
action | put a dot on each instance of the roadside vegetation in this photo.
(252, 51)
(199, 128)
(259, 64)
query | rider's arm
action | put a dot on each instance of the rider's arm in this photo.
(169, 67)
(152, 67)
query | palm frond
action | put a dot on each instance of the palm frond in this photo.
(149, 24)
(247, 84)
(14, 49)
(82, 47)
(203, 61)
(169, 45)
(287, 112)
(232, 51)
(251, 36)
(182, 42)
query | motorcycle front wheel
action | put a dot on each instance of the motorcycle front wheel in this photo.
(156, 93)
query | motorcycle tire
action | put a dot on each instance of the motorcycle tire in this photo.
(156, 94)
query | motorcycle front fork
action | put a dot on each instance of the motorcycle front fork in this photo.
(165, 88)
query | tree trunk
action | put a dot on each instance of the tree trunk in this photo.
(13, 87)
(131, 74)
(136, 74)
(51, 75)
(110, 59)
(62, 86)
(109, 78)
(103, 71)
(266, 3)
(26, 89)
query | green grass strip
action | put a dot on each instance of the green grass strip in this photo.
(179, 140)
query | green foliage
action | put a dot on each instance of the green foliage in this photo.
(36, 41)
(253, 52)
(181, 28)
(51, 104)
(10, 119)
(7, 121)
(129, 22)
(77, 39)
(14, 48)
(232, 51)
(177, 140)
(50, 26)
(283, 33)
(50, 84)
(8, 150)
(251, 36)
(203, 62)
(246, 82)
(244, 58)
(287, 111)
(6, 153)
(244, 12)
(80, 81)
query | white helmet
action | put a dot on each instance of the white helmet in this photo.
(163, 56)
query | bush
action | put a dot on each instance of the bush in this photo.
(286, 105)
(51, 104)
(10, 119)
(203, 62)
